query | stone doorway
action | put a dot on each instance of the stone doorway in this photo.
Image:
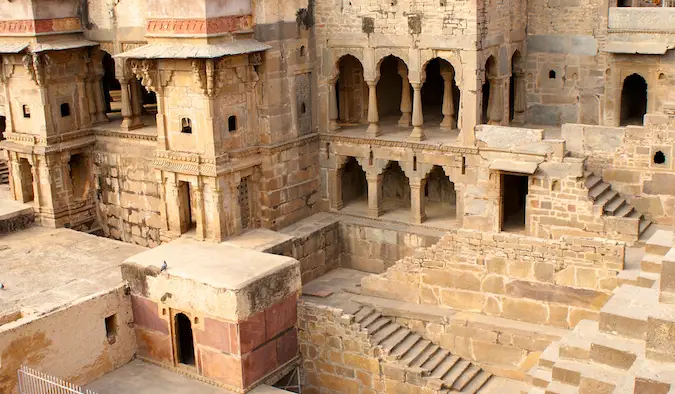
(184, 340)
(395, 188)
(440, 196)
(440, 107)
(633, 100)
(26, 178)
(185, 207)
(352, 92)
(390, 87)
(354, 183)
(514, 190)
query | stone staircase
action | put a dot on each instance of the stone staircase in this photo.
(410, 356)
(610, 203)
(4, 171)
(623, 351)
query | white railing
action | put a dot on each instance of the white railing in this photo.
(36, 382)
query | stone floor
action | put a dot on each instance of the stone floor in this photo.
(438, 216)
(9, 207)
(45, 268)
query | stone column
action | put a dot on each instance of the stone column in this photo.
(136, 106)
(127, 122)
(173, 206)
(417, 209)
(495, 102)
(406, 103)
(198, 200)
(417, 117)
(100, 116)
(89, 85)
(332, 107)
(374, 201)
(335, 191)
(373, 116)
(520, 100)
(449, 120)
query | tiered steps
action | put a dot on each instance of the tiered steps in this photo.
(611, 203)
(4, 171)
(423, 362)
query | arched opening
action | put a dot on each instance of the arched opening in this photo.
(354, 183)
(185, 346)
(434, 107)
(352, 92)
(395, 188)
(440, 196)
(516, 88)
(112, 90)
(390, 87)
(633, 100)
(490, 72)
(26, 178)
(148, 101)
(79, 175)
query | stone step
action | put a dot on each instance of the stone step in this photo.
(384, 333)
(624, 211)
(571, 372)
(605, 199)
(651, 263)
(577, 344)
(616, 352)
(597, 190)
(479, 381)
(535, 390)
(659, 243)
(540, 377)
(400, 350)
(637, 277)
(561, 388)
(550, 355)
(644, 225)
(380, 322)
(394, 339)
(592, 180)
(363, 313)
(415, 352)
(614, 205)
(435, 359)
(444, 366)
(467, 376)
(424, 356)
(370, 319)
(455, 372)
(627, 311)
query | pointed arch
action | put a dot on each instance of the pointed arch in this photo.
(633, 100)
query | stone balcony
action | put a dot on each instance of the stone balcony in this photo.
(641, 30)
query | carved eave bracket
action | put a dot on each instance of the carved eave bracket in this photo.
(151, 78)
(38, 67)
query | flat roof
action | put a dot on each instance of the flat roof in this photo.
(194, 51)
(44, 268)
(222, 266)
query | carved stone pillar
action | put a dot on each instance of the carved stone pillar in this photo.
(198, 199)
(332, 107)
(374, 200)
(519, 101)
(449, 119)
(126, 105)
(417, 208)
(335, 191)
(373, 116)
(136, 106)
(173, 206)
(91, 100)
(495, 102)
(100, 116)
(417, 117)
(406, 103)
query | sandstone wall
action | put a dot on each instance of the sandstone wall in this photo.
(366, 247)
(539, 281)
(128, 194)
(64, 344)
(624, 157)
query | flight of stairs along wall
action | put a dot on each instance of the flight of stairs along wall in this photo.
(4, 172)
(424, 363)
(608, 202)
(612, 355)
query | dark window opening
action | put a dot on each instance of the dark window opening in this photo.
(303, 108)
(65, 110)
(659, 158)
(3, 125)
(514, 194)
(353, 182)
(463, 165)
(111, 326)
(302, 51)
(26, 111)
(232, 123)
(186, 126)
(633, 100)
(551, 74)
(184, 341)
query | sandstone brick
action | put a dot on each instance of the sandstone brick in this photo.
(525, 310)
(492, 353)
(463, 300)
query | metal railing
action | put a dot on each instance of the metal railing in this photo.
(36, 382)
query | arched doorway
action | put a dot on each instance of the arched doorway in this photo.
(390, 87)
(352, 91)
(487, 102)
(633, 100)
(354, 183)
(185, 346)
(395, 188)
(437, 107)
(439, 192)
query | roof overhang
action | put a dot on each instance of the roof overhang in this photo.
(194, 51)
(638, 47)
(520, 167)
